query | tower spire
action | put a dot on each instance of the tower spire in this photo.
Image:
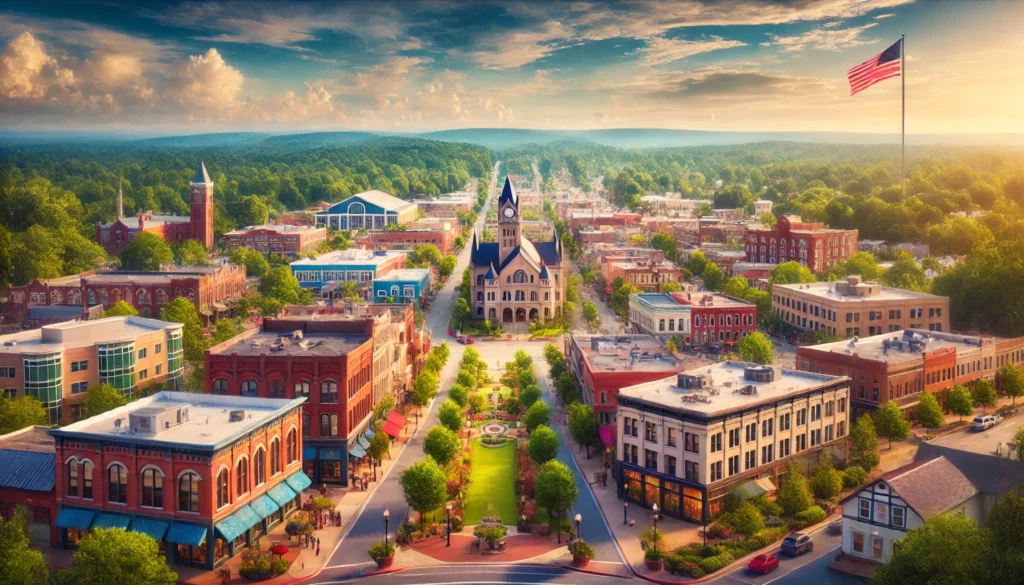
(120, 199)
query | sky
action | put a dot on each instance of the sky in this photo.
(410, 66)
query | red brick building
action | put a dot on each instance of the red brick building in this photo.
(205, 476)
(283, 240)
(791, 240)
(27, 460)
(442, 236)
(643, 273)
(700, 319)
(328, 362)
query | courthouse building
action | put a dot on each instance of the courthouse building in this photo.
(792, 240)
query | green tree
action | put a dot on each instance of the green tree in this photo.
(1011, 382)
(565, 386)
(670, 287)
(736, 287)
(529, 395)
(103, 397)
(794, 495)
(1003, 523)
(790, 273)
(826, 482)
(537, 415)
(425, 255)
(523, 360)
(590, 314)
(907, 274)
(180, 310)
(424, 486)
(446, 266)
(21, 412)
(113, 556)
(555, 489)
(543, 445)
(449, 414)
(947, 548)
(119, 309)
(251, 210)
(959, 401)
(191, 253)
(146, 252)
(929, 413)
(863, 438)
(20, 564)
(984, 394)
(380, 445)
(462, 312)
(459, 395)
(279, 283)
(442, 444)
(466, 377)
(383, 408)
(1018, 439)
(891, 424)
(255, 263)
(756, 348)
(746, 519)
(477, 403)
(583, 425)
(424, 388)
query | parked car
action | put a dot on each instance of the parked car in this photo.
(764, 564)
(464, 339)
(985, 422)
(797, 544)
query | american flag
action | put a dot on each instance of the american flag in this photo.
(888, 63)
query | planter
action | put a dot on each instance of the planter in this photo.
(385, 562)
(257, 576)
(580, 561)
(657, 565)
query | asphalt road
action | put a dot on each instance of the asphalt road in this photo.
(489, 575)
(983, 442)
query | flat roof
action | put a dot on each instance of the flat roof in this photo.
(209, 424)
(874, 348)
(825, 290)
(405, 274)
(635, 353)
(74, 334)
(275, 227)
(353, 256)
(698, 299)
(282, 344)
(140, 276)
(723, 392)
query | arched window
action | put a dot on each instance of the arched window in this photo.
(242, 477)
(259, 466)
(72, 490)
(306, 422)
(249, 388)
(56, 298)
(161, 296)
(293, 446)
(356, 208)
(479, 279)
(87, 480)
(519, 277)
(223, 499)
(92, 297)
(328, 392)
(152, 494)
(143, 297)
(302, 389)
(188, 492)
(220, 386)
(275, 457)
(117, 484)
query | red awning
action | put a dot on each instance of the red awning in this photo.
(392, 429)
(396, 418)
(607, 434)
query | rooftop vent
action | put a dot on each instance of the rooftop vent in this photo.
(759, 373)
(236, 415)
(297, 334)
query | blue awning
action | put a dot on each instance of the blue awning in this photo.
(152, 527)
(281, 493)
(112, 521)
(181, 533)
(357, 451)
(309, 453)
(369, 434)
(299, 481)
(362, 442)
(264, 506)
(236, 524)
(75, 518)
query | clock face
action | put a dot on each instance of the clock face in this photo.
(509, 212)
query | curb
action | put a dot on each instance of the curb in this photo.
(569, 566)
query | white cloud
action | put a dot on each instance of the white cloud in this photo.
(512, 49)
(208, 85)
(826, 39)
(881, 16)
(660, 50)
(27, 71)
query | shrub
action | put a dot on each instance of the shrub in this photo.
(579, 548)
(870, 460)
(652, 554)
(672, 561)
(256, 562)
(811, 515)
(765, 538)
(490, 534)
(766, 506)
(457, 523)
(696, 572)
(298, 526)
(381, 550)
(854, 476)
(746, 520)
(712, 564)
(718, 530)
(652, 537)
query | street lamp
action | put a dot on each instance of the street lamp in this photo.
(448, 510)
(579, 518)
(654, 539)
(387, 516)
(625, 506)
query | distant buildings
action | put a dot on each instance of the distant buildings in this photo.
(371, 210)
(687, 441)
(447, 206)
(325, 274)
(643, 273)
(811, 244)
(761, 207)
(58, 363)
(280, 239)
(701, 319)
(204, 476)
(438, 232)
(852, 307)
(409, 285)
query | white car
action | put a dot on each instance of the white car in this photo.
(983, 423)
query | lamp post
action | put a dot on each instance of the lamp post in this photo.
(448, 510)
(625, 520)
(579, 518)
(387, 515)
(655, 538)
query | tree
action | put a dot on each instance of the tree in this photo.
(477, 403)
(525, 378)
(180, 310)
(735, 287)
(146, 251)
(119, 309)
(1018, 439)
(984, 394)
(383, 408)
(529, 395)
(947, 548)
(466, 377)
(537, 415)
(191, 253)
(826, 482)
(565, 386)
(1011, 381)
(20, 564)
(442, 444)
(449, 414)
(555, 488)
(756, 348)
(959, 401)
(462, 312)
(279, 283)
(794, 495)
(790, 273)
(891, 424)
(251, 210)
(907, 274)
(590, 314)
(446, 266)
(102, 398)
(543, 445)
(1003, 523)
(18, 413)
(863, 438)
(256, 264)
(380, 445)
(459, 395)
(523, 360)
(712, 276)
(424, 486)
(670, 287)
(929, 413)
(424, 388)
(113, 556)
(583, 425)
(746, 519)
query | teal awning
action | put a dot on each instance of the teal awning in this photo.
(264, 506)
(357, 451)
(299, 481)
(236, 524)
(281, 493)
(369, 434)
(75, 518)
(309, 453)
(112, 521)
(181, 533)
(363, 443)
(152, 527)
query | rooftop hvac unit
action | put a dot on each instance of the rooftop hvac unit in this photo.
(236, 416)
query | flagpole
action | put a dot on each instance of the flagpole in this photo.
(903, 121)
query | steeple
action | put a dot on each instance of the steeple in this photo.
(202, 177)
(508, 193)
(120, 200)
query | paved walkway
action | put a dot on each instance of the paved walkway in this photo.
(519, 547)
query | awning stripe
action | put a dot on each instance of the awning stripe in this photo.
(236, 524)
(156, 529)
(264, 506)
(357, 451)
(112, 521)
(282, 493)
(75, 518)
(299, 481)
(182, 533)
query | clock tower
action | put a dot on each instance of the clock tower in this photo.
(202, 207)
(509, 228)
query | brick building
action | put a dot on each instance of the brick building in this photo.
(205, 476)
(701, 319)
(643, 273)
(280, 239)
(752, 271)
(447, 205)
(28, 463)
(327, 273)
(602, 364)
(439, 233)
(811, 244)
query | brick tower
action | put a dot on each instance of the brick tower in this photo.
(202, 207)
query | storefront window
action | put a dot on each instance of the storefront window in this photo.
(632, 485)
(330, 471)
(693, 504)
(652, 491)
(73, 535)
(220, 550)
(671, 498)
(239, 541)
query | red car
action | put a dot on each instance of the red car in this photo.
(764, 564)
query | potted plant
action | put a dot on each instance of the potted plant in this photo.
(653, 560)
(581, 552)
(383, 554)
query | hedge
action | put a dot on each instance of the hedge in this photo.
(810, 516)
(712, 564)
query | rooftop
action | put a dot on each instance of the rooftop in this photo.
(28, 460)
(353, 256)
(275, 227)
(380, 199)
(930, 487)
(451, 199)
(727, 386)
(900, 346)
(35, 438)
(291, 344)
(73, 334)
(856, 292)
(210, 421)
(684, 300)
(637, 353)
(405, 274)
(154, 277)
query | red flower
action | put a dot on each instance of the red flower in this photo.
(279, 550)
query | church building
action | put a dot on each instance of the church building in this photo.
(514, 279)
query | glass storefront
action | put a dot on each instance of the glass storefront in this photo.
(674, 498)
(693, 504)
(652, 491)
(175, 363)
(117, 366)
(73, 535)
(330, 471)
(44, 380)
(632, 485)
(671, 506)
(220, 549)
(194, 555)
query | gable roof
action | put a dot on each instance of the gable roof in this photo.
(930, 487)
(201, 175)
(992, 475)
(508, 193)
(374, 197)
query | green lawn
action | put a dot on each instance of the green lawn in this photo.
(491, 489)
